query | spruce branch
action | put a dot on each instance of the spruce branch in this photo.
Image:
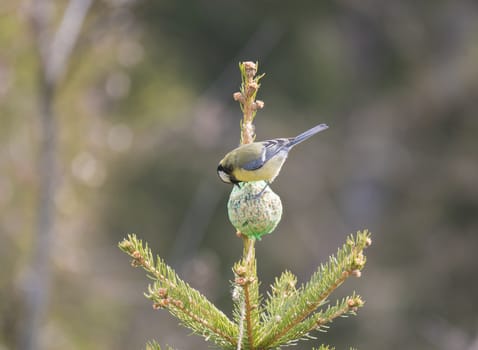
(240, 315)
(247, 308)
(283, 319)
(318, 321)
(170, 292)
(247, 99)
(281, 291)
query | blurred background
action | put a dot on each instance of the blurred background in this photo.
(135, 100)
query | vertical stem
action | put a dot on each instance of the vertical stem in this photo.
(249, 254)
(250, 285)
(249, 90)
(247, 96)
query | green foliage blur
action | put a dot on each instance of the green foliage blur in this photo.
(146, 112)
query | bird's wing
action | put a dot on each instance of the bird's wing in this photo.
(269, 149)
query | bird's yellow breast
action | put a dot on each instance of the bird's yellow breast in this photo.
(267, 172)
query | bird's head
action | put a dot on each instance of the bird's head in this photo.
(225, 174)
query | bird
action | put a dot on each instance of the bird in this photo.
(260, 161)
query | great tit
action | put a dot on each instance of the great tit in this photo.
(260, 160)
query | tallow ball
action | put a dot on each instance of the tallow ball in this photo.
(252, 214)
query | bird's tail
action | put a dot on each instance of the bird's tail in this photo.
(306, 134)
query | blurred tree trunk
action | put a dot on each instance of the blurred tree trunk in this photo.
(38, 281)
(54, 53)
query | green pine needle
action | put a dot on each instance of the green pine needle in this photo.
(170, 292)
(285, 317)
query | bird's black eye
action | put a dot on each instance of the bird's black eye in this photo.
(223, 169)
